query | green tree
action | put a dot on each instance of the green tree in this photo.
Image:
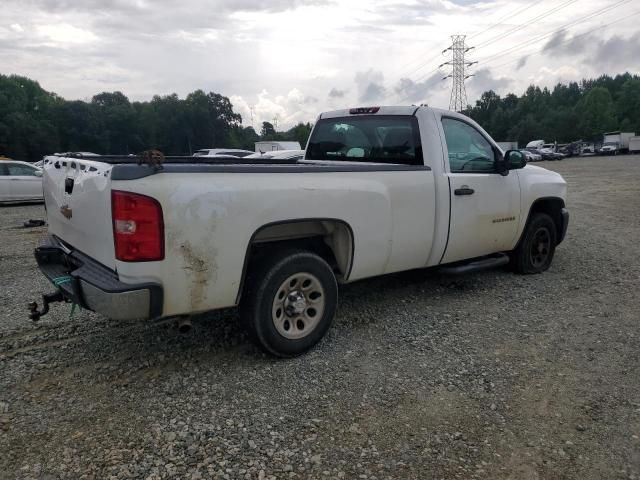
(267, 132)
(628, 105)
(596, 113)
(299, 133)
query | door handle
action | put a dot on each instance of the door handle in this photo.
(464, 191)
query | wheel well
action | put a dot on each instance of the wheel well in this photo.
(552, 206)
(331, 239)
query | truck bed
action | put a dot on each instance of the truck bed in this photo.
(213, 209)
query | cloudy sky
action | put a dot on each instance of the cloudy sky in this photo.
(291, 59)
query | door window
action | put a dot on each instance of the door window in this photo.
(469, 151)
(4, 171)
(15, 169)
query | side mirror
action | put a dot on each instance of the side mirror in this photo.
(515, 159)
(38, 173)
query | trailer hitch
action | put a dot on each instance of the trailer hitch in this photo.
(56, 296)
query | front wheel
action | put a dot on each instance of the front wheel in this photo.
(537, 245)
(289, 302)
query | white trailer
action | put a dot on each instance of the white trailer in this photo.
(621, 138)
(264, 147)
(634, 145)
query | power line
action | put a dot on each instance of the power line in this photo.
(599, 27)
(502, 19)
(426, 62)
(518, 27)
(546, 35)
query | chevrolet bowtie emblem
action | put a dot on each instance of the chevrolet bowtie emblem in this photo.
(66, 211)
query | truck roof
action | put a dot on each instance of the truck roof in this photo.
(402, 110)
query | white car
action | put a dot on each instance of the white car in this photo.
(222, 152)
(380, 190)
(531, 157)
(20, 181)
(278, 155)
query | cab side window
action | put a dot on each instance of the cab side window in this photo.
(469, 151)
(16, 170)
(4, 171)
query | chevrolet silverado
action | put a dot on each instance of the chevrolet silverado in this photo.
(380, 190)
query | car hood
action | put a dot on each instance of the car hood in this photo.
(542, 172)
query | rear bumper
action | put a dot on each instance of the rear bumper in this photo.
(565, 224)
(91, 285)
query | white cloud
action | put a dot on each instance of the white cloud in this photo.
(65, 33)
(285, 110)
(295, 58)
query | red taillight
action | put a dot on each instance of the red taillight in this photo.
(138, 228)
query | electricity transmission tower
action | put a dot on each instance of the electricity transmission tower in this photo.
(458, 101)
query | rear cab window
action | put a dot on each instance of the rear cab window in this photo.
(389, 139)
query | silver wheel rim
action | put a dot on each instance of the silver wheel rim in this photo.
(298, 306)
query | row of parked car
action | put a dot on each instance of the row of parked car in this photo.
(534, 154)
(22, 181)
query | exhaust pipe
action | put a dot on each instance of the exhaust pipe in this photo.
(184, 325)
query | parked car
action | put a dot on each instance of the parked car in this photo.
(531, 156)
(570, 149)
(278, 155)
(544, 154)
(381, 190)
(20, 181)
(222, 152)
(609, 148)
(273, 146)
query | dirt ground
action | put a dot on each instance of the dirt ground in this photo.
(486, 376)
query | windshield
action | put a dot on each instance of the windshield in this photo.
(610, 144)
(378, 139)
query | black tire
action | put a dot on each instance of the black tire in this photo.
(537, 246)
(258, 307)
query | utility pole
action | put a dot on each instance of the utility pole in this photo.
(458, 101)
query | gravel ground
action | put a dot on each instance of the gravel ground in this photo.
(488, 376)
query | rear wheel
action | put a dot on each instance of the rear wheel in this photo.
(289, 302)
(537, 246)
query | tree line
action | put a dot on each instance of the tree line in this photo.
(576, 111)
(34, 122)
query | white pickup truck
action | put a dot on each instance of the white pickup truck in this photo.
(380, 190)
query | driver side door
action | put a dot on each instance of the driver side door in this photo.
(485, 206)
